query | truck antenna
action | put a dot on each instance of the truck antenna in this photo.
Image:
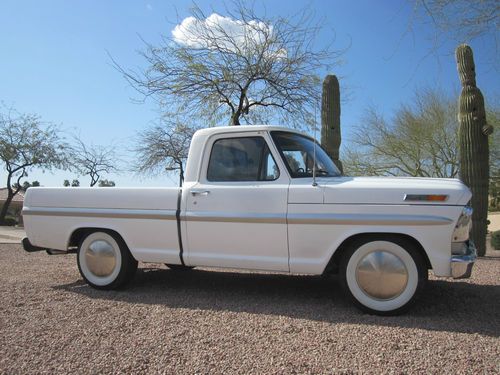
(314, 146)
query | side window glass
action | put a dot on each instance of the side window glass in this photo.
(241, 159)
(296, 160)
(269, 170)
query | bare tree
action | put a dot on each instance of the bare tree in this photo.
(458, 21)
(27, 143)
(464, 19)
(163, 148)
(420, 141)
(93, 161)
(240, 67)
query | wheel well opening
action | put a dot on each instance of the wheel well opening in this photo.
(80, 233)
(333, 264)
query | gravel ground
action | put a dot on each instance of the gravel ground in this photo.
(204, 321)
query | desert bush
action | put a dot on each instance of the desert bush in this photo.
(9, 221)
(495, 240)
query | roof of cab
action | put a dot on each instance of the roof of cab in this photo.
(244, 128)
(193, 165)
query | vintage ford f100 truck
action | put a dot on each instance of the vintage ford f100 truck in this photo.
(265, 198)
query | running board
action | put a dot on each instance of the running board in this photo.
(56, 252)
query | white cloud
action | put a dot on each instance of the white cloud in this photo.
(191, 31)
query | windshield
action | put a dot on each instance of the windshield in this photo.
(298, 153)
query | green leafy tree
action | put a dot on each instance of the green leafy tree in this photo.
(420, 140)
(26, 185)
(27, 143)
(74, 183)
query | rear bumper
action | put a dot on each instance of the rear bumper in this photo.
(461, 265)
(30, 248)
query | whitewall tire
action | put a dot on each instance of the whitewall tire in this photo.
(104, 260)
(383, 276)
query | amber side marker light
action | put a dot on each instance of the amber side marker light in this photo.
(426, 198)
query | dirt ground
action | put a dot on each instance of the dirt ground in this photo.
(205, 321)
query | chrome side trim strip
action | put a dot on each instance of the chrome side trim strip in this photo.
(261, 218)
(223, 217)
(112, 213)
(367, 219)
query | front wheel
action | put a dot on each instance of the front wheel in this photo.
(104, 260)
(383, 276)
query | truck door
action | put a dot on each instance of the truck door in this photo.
(236, 214)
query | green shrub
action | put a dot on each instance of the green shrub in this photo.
(9, 221)
(495, 240)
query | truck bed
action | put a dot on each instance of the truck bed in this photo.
(52, 215)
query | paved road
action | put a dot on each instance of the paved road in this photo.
(11, 234)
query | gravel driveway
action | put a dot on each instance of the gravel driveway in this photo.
(204, 321)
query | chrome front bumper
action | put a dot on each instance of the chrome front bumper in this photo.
(461, 265)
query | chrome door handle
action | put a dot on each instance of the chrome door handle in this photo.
(199, 192)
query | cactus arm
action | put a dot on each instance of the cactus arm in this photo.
(487, 129)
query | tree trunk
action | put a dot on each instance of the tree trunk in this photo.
(5, 207)
(235, 119)
(181, 175)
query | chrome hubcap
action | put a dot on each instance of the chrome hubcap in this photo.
(381, 275)
(100, 258)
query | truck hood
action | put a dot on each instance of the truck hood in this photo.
(392, 190)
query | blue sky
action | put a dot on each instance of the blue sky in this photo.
(54, 62)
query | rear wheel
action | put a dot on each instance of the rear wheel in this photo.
(104, 260)
(383, 276)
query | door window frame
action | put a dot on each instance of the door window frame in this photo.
(282, 170)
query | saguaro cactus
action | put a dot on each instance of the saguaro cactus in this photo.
(330, 119)
(473, 144)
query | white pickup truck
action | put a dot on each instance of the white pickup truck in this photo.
(265, 198)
